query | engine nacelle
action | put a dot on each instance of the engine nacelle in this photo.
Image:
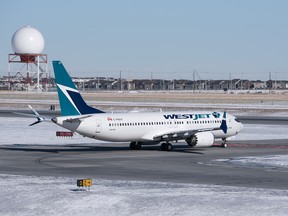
(201, 139)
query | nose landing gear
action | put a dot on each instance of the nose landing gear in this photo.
(224, 143)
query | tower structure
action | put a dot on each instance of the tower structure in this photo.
(28, 66)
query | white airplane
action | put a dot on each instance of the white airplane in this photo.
(197, 128)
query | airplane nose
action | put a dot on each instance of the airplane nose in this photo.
(241, 126)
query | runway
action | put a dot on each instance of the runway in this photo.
(117, 162)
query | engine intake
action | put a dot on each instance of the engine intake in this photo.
(201, 139)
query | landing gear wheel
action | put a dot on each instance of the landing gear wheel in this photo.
(133, 145)
(138, 146)
(163, 147)
(224, 143)
(166, 147)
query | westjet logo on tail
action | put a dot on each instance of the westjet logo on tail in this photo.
(67, 91)
(191, 116)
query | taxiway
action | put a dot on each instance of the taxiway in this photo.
(117, 162)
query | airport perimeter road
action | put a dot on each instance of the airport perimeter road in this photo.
(182, 165)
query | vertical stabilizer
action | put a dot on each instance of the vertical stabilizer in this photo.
(71, 102)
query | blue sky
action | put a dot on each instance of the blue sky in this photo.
(165, 38)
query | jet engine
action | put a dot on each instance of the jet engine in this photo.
(201, 139)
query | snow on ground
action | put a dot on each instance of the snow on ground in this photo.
(269, 161)
(18, 131)
(262, 132)
(28, 195)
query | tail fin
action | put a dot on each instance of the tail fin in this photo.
(71, 102)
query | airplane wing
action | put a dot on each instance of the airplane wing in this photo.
(176, 135)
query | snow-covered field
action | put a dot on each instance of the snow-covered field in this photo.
(15, 129)
(262, 132)
(29, 195)
(269, 161)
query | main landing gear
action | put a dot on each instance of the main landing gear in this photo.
(166, 146)
(135, 145)
(224, 143)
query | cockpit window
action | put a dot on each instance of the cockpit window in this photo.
(237, 120)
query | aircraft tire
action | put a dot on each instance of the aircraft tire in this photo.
(163, 147)
(133, 145)
(168, 147)
(138, 146)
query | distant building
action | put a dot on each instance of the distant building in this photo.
(19, 83)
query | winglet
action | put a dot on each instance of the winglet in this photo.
(223, 125)
(36, 114)
(34, 111)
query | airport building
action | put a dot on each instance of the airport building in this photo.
(18, 83)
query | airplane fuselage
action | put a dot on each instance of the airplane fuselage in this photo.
(145, 127)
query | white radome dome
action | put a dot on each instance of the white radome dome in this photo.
(27, 40)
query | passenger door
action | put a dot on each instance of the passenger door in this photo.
(98, 125)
